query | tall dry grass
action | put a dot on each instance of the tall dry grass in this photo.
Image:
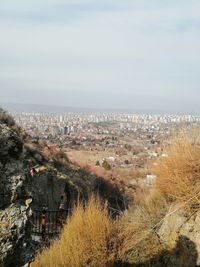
(136, 233)
(178, 175)
(92, 238)
(84, 241)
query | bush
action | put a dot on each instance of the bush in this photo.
(84, 241)
(106, 165)
(136, 240)
(178, 174)
(59, 158)
(91, 238)
(6, 118)
(97, 163)
(61, 155)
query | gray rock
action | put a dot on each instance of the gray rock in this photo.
(11, 145)
(181, 234)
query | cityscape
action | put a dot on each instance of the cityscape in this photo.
(127, 142)
(52, 126)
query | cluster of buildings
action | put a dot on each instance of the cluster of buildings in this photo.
(125, 141)
(53, 126)
(120, 133)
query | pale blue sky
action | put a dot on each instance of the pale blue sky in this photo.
(135, 54)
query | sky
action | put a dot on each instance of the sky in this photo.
(124, 54)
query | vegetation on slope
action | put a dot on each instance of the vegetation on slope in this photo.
(85, 240)
(92, 238)
(178, 175)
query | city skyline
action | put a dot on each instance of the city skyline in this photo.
(136, 55)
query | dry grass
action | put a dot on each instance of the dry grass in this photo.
(178, 175)
(128, 180)
(88, 159)
(91, 238)
(84, 241)
(138, 239)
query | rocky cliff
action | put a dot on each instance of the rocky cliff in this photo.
(14, 212)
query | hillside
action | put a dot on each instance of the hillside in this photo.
(161, 228)
(21, 193)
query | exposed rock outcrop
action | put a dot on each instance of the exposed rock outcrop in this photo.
(10, 143)
(10, 150)
(16, 247)
(181, 231)
(14, 213)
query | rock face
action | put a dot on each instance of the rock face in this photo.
(14, 213)
(15, 245)
(10, 143)
(180, 233)
(10, 150)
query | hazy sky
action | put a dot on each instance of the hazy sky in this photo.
(136, 54)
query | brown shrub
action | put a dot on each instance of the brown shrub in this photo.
(46, 152)
(60, 154)
(92, 238)
(84, 241)
(136, 233)
(178, 174)
(6, 118)
(59, 157)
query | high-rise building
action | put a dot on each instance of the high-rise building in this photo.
(66, 130)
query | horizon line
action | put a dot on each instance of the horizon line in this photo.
(129, 110)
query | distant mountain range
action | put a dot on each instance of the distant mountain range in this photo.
(37, 108)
